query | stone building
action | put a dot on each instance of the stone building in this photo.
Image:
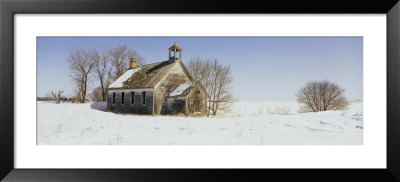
(159, 88)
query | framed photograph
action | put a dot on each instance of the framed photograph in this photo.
(175, 90)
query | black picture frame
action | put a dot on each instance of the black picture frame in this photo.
(9, 8)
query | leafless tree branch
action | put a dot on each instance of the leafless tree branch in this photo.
(321, 96)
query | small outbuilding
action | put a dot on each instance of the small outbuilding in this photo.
(159, 88)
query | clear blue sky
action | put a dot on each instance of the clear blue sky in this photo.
(263, 68)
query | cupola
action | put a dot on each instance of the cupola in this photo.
(173, 50)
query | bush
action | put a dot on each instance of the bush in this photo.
(321, 96)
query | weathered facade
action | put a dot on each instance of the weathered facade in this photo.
(131, 101)
(189, 97)
(160, 88)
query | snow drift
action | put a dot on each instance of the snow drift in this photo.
(247, 123)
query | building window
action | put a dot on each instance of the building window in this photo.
(123, 98)
(143, 98)
(132, 97)
(113, 99)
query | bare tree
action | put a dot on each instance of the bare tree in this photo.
(216, 79)
(199, 70)
(106, 64)
(96, 94)
(195, 97)
(57, 96)
(49, 97)
(321, 96)
(102, 61)
(120, 58)
(76, 95)
(220, 90)
(81, 65)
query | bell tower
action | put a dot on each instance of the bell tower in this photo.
(173, 53)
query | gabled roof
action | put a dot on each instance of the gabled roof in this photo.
(146, 76)
(181, 90)
(120, 81)
(185, 88)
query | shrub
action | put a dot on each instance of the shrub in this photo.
(321, 96)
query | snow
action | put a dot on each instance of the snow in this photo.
(180, 89)
(247, 123)
(119, 82)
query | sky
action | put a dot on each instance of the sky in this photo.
(263, 68)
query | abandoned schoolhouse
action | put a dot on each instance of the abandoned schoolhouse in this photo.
(159, 88)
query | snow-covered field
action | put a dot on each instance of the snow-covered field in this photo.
(247, 123)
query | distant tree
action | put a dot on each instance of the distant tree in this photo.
(57, 97)
(321, 96)
(49, 97)
(76, 96)
(216, 79)
(120, 59)
(81, 65)
(96, 94)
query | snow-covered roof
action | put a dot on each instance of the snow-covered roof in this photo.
(147, 77)
(120, 81)
(180, 89)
